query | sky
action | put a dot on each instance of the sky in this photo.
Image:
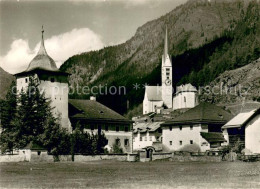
(70, 27)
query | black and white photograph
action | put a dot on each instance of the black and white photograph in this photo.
(136, 94)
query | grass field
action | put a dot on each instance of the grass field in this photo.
(114, 174)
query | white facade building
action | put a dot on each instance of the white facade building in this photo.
(244, 127)
(146, 134)
(51, 80)
(185, 97)
(197, 129)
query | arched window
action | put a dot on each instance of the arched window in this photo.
(184, 99)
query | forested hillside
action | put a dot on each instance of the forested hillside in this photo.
(205, 39)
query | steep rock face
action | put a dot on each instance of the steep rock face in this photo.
(235, 86)
(5, 82)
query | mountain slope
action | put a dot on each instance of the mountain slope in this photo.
(5, 82)
(190, 27)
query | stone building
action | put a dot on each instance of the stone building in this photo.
(51, 80)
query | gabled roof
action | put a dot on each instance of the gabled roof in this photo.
(203, 113)
(93, 110)
(143, 127)
(239, 120)
(154, 93)
(213, 137)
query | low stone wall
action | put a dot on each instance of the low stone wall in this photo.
(158, 156)
(196, 158)
(83, 158)
(12, 158)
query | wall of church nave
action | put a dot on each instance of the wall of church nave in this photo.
(184, 100)
(151, 106)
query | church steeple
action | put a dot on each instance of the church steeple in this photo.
(166, 44)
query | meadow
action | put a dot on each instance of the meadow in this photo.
(114, 174)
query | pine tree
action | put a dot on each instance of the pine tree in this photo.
(8, 110)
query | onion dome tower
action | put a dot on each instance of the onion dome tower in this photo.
(51, 80)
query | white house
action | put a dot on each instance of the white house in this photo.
(185, 97)
(198, 129)
(245, 128)
(146, 134)
(96, 118)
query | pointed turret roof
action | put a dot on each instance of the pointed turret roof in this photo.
(42, 60)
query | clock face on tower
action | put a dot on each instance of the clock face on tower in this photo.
(168, 82)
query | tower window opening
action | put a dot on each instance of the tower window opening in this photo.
(52, 79)
(26, 80)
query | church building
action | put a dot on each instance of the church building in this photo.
(157, 98)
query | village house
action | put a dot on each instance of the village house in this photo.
(245, 129)
(147, 134)
(95, 117)
(197, 129)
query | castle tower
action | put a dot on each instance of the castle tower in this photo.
(166, 70)
(51, 80)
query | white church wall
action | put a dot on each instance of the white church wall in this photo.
(184, 100)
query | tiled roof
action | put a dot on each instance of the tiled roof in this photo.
(213, 137)
(93, 110)
(239, 120)
(203, 113)
(143, 127)
(186, 88)
(154, 93)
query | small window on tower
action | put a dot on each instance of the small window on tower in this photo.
(26, 80)
(184, 99)
(167, 69)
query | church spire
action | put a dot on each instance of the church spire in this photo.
(166, 44)
(42, 49)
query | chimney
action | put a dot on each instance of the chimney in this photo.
(93, 98)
